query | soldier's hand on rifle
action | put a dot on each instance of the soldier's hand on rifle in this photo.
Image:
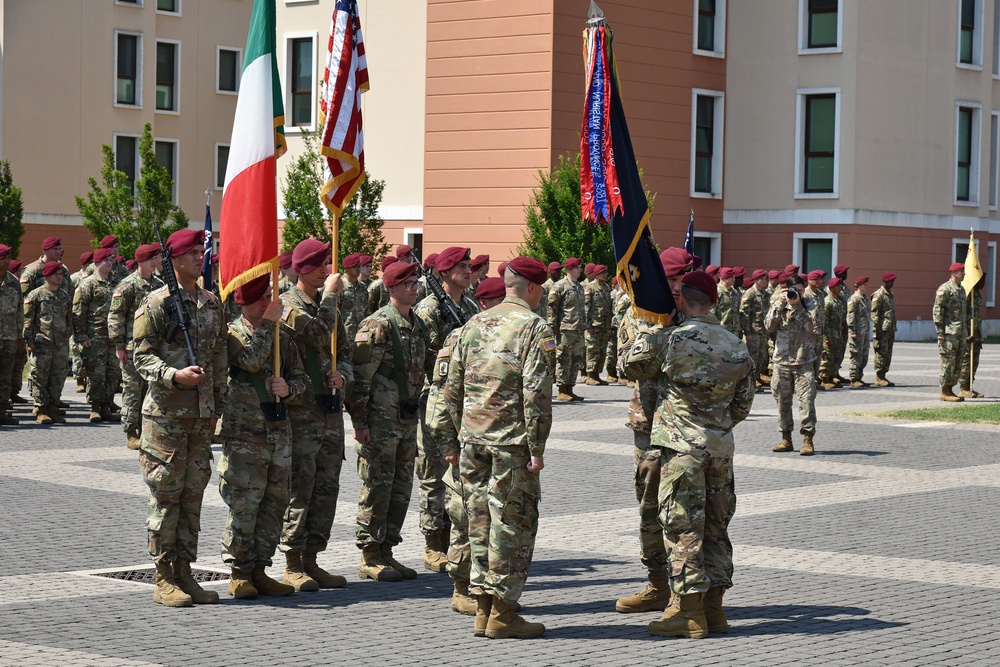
(333, 284)
(273, 311)
(190, 376)
(334, 380)
(278, 386)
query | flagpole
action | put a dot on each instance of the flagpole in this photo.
(335, 256)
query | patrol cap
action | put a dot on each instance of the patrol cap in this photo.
(310, 255)
(109, 241)
(836, 282)
(791, 268)
(251, 292)
(862, 280)
(888, 277)
(491, 288)
(50, 268)
(727, 272)
(712, 270)
(184, 241)
(15, 264)
(50, 242)
(701, 281)
(350, 261)
(599, 269)
(285, 260)
(480, 261)
(528, 267)
(572, 263)
(840, 268)
(364, 260)
(501, 269)
(86, 258)
(398, 273)
(103, 254)
(758, 274)
(555, 266)
(388, 261)
(429, 262)
(815, 274)
(451, 257)
(676, 261)
(403, 250)
(957, 266)
(588, 270)
(4, 251)
(130, 264)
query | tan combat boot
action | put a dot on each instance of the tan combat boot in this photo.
(43, 415)
(186, 581)
(612, 378)
(654, 597)
(435, 559)
(828, 383)
(504, 623)
(265, 585)
(573, 395)
(461, 601)
(321, 576)
(807, 445)
(81, 387)
(240, 586)
(57, 415)
(108, 413)
(592, 381)
(880, 380)
(95, 413)
(948, 395)
(133, 441)
(386, 551)
(484, 607)
(295, 575)
(968, 392)
(167, 592)
(374, 567)
(685, 617)
(786, 443)
(858, 384)
(715, 616)
(565, 394)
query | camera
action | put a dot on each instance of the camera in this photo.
(792, 294)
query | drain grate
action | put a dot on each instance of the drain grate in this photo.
(147, 575)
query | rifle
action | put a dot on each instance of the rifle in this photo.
(175, 306)
(446, 305)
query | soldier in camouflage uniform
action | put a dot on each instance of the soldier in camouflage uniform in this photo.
(365, 267)
(753, 310)
(814, 290)
(884, 328)
(773, 285)
(119, 271)
(838, 353)
(21, 355)
(318, 437)
(354, 300)
(706, 387)
(79, 371)
(499, 396)
(727, 310)
(454, 266)
(599, 306)
(378, 295)
(91, 305)
(835, 334)
(47, 326)
(619, 304)
(951, 319)
(11, 328)
(179, 414)
(974, 346)
(390, 363)
(567, 318)
(858, 323)
(256, 450)
(792, 318)
(554, 269)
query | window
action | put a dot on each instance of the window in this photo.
(166, 157)
(813, 251)
(127, 157)
(135, 3)
(820, 26)
(959, 251)
(302, 81)
(169, 6)
(708, 246)
(994, 158)
(414, 237)
(970, 33)
(706, 143)
(967, 154)
(128, 60)
(996, 38)
(710, 27)
(227, 67)
(819, 143)
(221, 162)
(167, 56)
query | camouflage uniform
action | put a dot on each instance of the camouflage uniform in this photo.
(79, 370)
(818, 296)
(385, 464)
(317, 436)
(838, 353)
(378, 295)
(621, 303)
(884, 324)
(858, 323)
(256, 453)
(90, 324)
(706, 387)
(503, 410)
(951, 319)
(284, 284)
(11, 328)
(834, 337)
(727, 310)
(753, 310)
(974, 313)
(794, 362)
(175, 451)
(126, 299)
(543, 304)
(768, 300)
(119, 272)
(567, 317)
(353, 307)
(600, 311)
(47, 325)
(32, 278)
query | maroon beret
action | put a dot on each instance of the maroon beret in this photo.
(310, 255)
(528, 267)
(146, 252)
(861, 281)
(555, 266)
(888, 277)
(109, 241)
(588, 270)
(783, 277)
(364, 259)
(491, 288)
(501, 269)
(185, 240)
(773, 274)
(791, 269)
(758, 274)
(702, 282)
(251, 292)
(957, 266)
(388, 261)
(815, 274)
(130, 264)
(727, 272)
(449, 258)
(840, 268)
(739, 271)
(403, 250)
(480, 261)
(50, 268)
(51, 242)
(572, 263)
(676, 261)
(712, 270)
(285, 260)
(696, 262)
(614, 281)
(747, 283)
(4, 251)
(599, 269)
(429, 261)
(15, 264)
(398, 272)
(86, 258)
(103, 254)
(834, 282)
(351, 260)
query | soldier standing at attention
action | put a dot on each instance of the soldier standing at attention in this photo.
(567, 318)
(792, 319)
(354, 300)
(288, 277)
(884, 325)
(118, 270)
(834, 335)
(706, 387)
(79, 372)
(814, 290)
(773, 284)
(86, 259)
(390, 363)
(182, 406)
(422, 280)
(554, 269)
(480, 271)
(951, 319)
(378, 295)
(32, 278)
(257, 448)
(727, 310)
(858, 317)
(317, 422)
(91, 305)
(48, 321)
(837, 360)
(753, 310)
(454, 265)
(617, 311)
(127, 298)
(499, 396)
(365, 267)
(974, 346)
(21, 355)
(11, 328)
(600, 311)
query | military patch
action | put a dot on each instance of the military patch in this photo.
(286, 311)
(549, 344)
(141, 310)
(940, 292)
(117, 294)
(444, 352)
(362, 337)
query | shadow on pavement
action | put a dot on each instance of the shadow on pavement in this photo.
(848, 452)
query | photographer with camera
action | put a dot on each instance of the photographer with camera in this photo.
(792, 318)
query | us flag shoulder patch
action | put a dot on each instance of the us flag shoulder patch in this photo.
(549, 344)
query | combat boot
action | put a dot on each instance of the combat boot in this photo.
(8, 420)
(114, 407)
(186, 581)
(407, 572)
(504, 623)
(20, 400)
(81, 388)
(295, 576)
(715, 616)
(858, 384)
(565, 394)
(61, 404)
(57, 415)
(828, 383)
(880, 380)
(484, 607)
(967, 392)
(240, 586)
(573, 396)
(946, 395)
(592, 381)
(654, 597)
(435, 559)
(42, 415)
(786, 443)
(108, 414)
(685, 617)
(373, 566)
(133, 441)
(461, 601)
(807, 445)
(265, 585)
(167, 592)
(612, 379)
(321, 576)
(95, 413)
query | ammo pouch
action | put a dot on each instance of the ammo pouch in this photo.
(274, 410)
(409, 410)
(327, 401)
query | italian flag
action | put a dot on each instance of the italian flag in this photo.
(248, 225)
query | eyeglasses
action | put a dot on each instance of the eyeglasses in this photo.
(410, 284)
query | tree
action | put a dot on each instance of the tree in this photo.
(113, 207)
(11, 210)
(361, 225)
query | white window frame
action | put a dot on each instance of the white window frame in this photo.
(990, 269)
(219, 48)
(288, 37)
(994, 160)
(138, 162)
(718, 136)
(800, 143)
(177, 163)
(125, 3)
(215, 162)
(804, 49)
(409, 233)
(177, 79)
(720, 32)
(138, 70)
(975, 167)
(799, 237)
(166, 13)
(977, 38)
(996, 39)
(716, 245)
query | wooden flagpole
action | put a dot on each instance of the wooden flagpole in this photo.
(277, 328)
(335, 252)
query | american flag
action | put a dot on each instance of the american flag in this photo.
(345, 79)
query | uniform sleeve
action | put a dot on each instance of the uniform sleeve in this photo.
(81, 302)
(555, 308)
(852, 315)
(344, 365)
(430, 315)
(116, 316)
(453, 390)
(746, 388)
(537, 375)
(256, 355)
(440, 424)
(939, 307)
(292, 370)
(588, 305)
(29, 327)
(220, 367)
(645, 358)
(773, 319)
(19, 318)
(370, 345)
(149, 330)
(317, 330)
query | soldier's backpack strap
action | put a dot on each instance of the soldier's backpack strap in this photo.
(274, 410)
(397, 361)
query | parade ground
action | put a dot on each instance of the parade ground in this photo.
(879, 550)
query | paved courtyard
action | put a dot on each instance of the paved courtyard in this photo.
(881, 549)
